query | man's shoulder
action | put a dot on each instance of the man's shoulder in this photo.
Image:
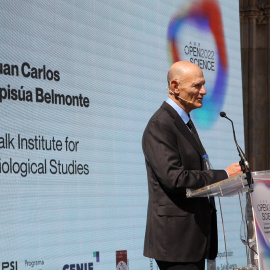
(165, 112)
(162, 119)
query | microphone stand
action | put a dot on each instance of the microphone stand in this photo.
(246, 169)
(243, 161)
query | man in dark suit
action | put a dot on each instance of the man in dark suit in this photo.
(180, 232)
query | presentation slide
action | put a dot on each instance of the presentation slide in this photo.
(79, 82)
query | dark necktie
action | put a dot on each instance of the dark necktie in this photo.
(206, 166)
(196, 136)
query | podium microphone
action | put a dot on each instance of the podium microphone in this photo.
(243, 162)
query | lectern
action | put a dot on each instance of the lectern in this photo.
(260, 199)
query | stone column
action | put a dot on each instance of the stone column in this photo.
(267, 14)
(255, 75)
(255, 51)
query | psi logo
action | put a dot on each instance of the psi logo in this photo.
(10, 265)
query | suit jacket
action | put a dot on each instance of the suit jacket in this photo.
(177, 228)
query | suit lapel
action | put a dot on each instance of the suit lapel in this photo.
(181, 126)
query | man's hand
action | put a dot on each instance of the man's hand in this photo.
(234, 169)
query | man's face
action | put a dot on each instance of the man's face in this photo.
(191, 88)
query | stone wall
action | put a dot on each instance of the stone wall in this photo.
(255, 49)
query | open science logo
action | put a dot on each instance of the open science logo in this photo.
(205, 19)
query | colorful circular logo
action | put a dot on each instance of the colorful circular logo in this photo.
(205, 20)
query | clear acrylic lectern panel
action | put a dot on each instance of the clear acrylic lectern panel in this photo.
(228, 187)
(238, 185)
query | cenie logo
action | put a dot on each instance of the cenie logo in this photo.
(33, 263)
(79, 266)
(13, 265)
